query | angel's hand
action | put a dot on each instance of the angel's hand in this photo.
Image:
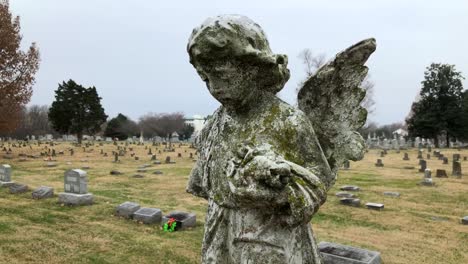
(273, 173)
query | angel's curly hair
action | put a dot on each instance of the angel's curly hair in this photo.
(230, 37)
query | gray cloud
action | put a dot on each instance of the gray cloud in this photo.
(134, 51)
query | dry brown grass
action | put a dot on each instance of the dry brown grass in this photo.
(45, 232)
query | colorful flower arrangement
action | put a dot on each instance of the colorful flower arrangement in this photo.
(170, 226)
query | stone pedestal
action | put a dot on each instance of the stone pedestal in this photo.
(340, 254)
(75, 198)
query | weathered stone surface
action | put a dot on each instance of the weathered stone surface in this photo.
(115, 172)
(264, 166)
(43, 192)
(75, 198)
(341, 254)
(158, 172)
(17, 188)
(184, 219)
(392, 194)
(375, 206)
(345, 195)
(351, 202)
(148, 215)
(351, 188)
(139, 176)
(127, 209)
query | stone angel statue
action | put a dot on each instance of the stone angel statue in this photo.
(265, 166)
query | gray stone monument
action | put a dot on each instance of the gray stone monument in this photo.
(5, 175)
(427, 180)
(423, 165)
(456, 168)
(76, 189)
(264, 166)
(405, 156)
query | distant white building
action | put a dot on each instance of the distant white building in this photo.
(197, 121)
(400, 132)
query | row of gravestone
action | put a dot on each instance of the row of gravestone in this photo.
(178, 220)
(76, 193)
(75, 187)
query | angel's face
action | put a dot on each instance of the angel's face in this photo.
(231, 82)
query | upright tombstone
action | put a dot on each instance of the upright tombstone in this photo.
(405, 156)
(423, 165)
(76, 189)
(420, 154)
(456, 169)
(456, 157)
(379, 163)
(428, 156)
(346, 164)
(427, 180)
(441, 173)
(5, 175)
(445, 159)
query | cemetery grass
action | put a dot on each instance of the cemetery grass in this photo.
(422, 226)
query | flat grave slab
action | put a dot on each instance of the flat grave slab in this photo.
(43, 192)
(333, 253)
(464, 220)
(350, 202)
(345, 195)
(148, 215)
(375, 206)
(392, 194)
(351, 188)
(17, 188)
(127, 209)
(75, 198)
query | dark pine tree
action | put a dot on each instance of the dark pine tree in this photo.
(76, 110)
(439, 108)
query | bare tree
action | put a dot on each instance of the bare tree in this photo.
(313, 62)
(163, 125)
(17, 69)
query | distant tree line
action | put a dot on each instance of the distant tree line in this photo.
(77, 110)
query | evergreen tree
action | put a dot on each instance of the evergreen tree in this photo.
(121, 127)
(439, 108)
(76, 110)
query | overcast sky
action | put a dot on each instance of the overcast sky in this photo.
(134, 51)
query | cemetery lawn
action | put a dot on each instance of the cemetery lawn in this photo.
(422, 226)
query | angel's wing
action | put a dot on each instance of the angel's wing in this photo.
(332, 98)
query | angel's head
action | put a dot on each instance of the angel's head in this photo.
(232, 55)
